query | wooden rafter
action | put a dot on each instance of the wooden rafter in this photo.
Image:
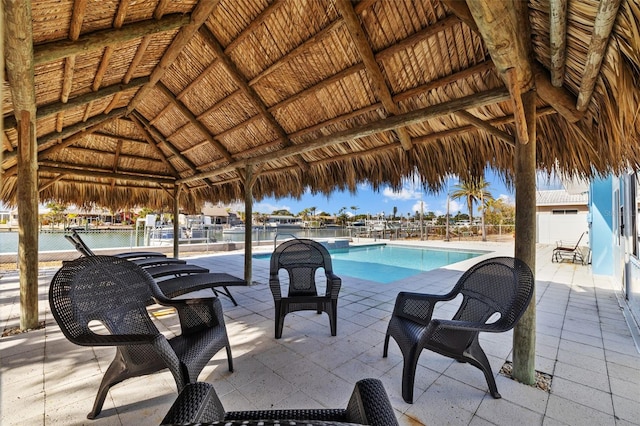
(558, 97)
(78, 130)
(607, 13)
(518, 107)
(378, 82)
(120, 154)
(56, 50)
(443, 81)
(316, 38)
(71, 169)
(339, 76)
(157, 136)
(483, 125)
(194, 121)
(401, 120)
(154, 145)
(255, 22)
(240, 80)
(421, 140)
(51, 182)
(200, 14)
(558, 39)
(45, 111)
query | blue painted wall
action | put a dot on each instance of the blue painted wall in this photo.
(602, 232)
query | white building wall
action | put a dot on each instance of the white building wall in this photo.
(565, 227)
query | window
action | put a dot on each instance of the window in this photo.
(568, 211)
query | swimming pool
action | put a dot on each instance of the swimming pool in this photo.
(388, 263)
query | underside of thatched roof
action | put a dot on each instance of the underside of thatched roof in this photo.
(139, 101)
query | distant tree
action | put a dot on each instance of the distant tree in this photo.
(342, 215)
(472, 191)
(395, 211)
(282, 212)
(355, 210)
(498, 212)
(56, 213)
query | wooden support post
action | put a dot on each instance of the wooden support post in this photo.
(524, 336)
(19, 67)
(28, 220)
(248, 222)
(176, 224)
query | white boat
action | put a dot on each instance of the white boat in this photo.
(238, 229)
(284, 222)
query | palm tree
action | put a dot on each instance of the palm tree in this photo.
(472, 191)
(355, 210)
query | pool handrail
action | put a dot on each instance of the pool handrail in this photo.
(275, 239)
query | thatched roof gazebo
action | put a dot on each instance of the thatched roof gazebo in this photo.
(153, 103)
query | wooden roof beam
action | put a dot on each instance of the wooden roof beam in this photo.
(76, 132)
(241, 81)
(198, 17)
(93, 172)
(558, 40)
(77, 16)
(51, 109)
(316, 38)
(606, 17)
(559, 98)
(483, 125)
(51, 182)
(154, 145)
(155, 135)
(379, 84)
(501, 25)
(69, 136)
(18, 55)
(194, 121)
(401, 120)
(56, 50)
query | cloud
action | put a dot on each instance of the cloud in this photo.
(416, 207)
(404, 194)
(269, 208)
(455, 206)
(507, 199)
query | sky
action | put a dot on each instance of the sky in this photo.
(375, 203)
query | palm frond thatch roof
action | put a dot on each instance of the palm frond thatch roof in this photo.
(136, 99)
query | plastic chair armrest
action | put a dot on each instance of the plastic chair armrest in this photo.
(369, 404)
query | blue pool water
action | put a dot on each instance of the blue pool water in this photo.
(386, 263)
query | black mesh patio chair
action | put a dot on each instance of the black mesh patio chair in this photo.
(302, 258)
(199, 403)
(114, 292)
(501, 285)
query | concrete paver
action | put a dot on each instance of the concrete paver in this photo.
(583, 340)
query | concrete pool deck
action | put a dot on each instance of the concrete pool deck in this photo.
(582, 340)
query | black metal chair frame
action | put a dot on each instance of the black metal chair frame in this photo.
(114, 292)
(199, 403)
(301, 258)
(76, 240)
(500, 285)
(185, 278)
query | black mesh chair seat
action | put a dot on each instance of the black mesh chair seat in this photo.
(302, 258)
(199, 403)
(217, 281)
(500, 285)
(114, 292)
